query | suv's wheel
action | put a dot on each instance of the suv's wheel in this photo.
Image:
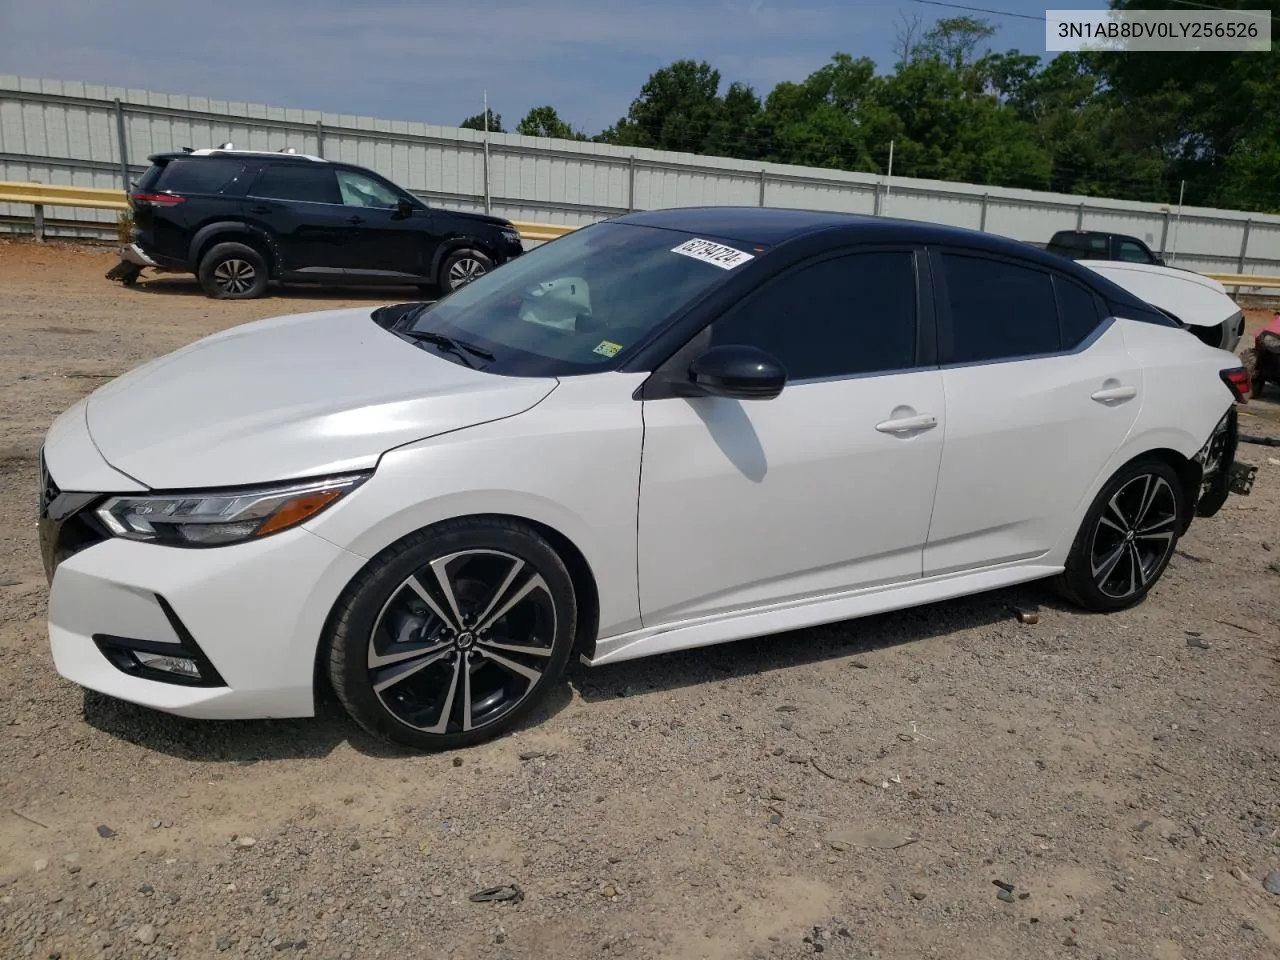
(461, 267)
(453, 634)
(1127, 538)
(233, 271)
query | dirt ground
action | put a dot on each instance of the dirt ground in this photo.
(1121, 774)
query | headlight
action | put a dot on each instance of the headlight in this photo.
(217, 518)
(1270, 341)
(511, 236)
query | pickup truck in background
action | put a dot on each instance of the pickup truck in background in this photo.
(1099, 245)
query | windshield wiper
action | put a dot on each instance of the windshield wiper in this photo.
(457, 347)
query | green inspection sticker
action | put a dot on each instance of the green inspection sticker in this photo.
(607, 348)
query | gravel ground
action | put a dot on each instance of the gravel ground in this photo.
(859, 790)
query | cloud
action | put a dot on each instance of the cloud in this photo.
(428, 61)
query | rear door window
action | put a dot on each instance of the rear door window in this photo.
(998, 310)
(1078, 310)
(306, 183)
(206, 175)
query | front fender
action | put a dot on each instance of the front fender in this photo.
(571, 463)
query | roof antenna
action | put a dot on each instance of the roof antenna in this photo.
(288, 150)
(227, 146)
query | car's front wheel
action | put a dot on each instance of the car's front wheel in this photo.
(461, 267)
(454, 634)
(233, 271)
(1127, 538)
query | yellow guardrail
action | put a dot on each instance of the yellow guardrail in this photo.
(541, 231)
(41, 195)
(1243, 279)
(51, 195)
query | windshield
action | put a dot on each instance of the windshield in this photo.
(579, 303)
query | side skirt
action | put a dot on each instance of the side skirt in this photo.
(796, 615)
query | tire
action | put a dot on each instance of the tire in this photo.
(233, 271)
(1104, 541)
(461, 267)
(419, 693)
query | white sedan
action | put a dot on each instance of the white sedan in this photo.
(667, 430)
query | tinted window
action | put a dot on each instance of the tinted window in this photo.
(1082, 244)
(1132, 252)
(212, 175)
(361, 191)
(848, 315)
(998, 310)
(1078, 310)
(306, 182)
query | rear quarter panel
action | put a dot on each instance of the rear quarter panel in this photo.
(1182, 399)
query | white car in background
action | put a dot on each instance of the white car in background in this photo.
(1199, 303)
(668, 430)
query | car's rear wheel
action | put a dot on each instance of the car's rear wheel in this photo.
(1127, 537)
(454, 634)
(233, 271)
(461, 267)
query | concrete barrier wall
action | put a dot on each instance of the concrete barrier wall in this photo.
(67, 132)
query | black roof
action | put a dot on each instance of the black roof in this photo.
(772, 226)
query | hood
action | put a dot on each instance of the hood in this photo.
(290, 397)
(1196, 300)
(482, 218)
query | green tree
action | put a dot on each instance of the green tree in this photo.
(477, 122)
(677, 109)
(1209, 115)
(835, 118)
(954, 41)
(545, 122)
(1085, 123)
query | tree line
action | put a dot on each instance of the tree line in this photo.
(1134, 126)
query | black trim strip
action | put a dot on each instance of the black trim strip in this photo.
(112, 647)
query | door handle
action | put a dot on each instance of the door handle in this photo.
(259, 209)
(908, 424)
(355, 219)
(1115, 394)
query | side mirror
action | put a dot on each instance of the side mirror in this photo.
(403, 209)
(739, 372)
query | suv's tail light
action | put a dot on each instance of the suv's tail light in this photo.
(164, 199)
(1237, 381)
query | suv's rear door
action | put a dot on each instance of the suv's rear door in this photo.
(299, 205)
(179, 195)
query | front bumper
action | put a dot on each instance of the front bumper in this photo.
(250, 615)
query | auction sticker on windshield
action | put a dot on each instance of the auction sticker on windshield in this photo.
(716, 254)
(607, 348)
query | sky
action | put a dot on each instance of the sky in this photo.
(432, 61)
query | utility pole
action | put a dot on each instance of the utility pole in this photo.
(487, 203)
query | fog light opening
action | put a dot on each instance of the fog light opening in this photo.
(179, 666)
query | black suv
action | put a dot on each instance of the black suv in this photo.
(239, 219)
(1098, 245)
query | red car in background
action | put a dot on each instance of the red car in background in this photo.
(1265, 365)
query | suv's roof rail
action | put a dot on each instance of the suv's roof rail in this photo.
(229, 148)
